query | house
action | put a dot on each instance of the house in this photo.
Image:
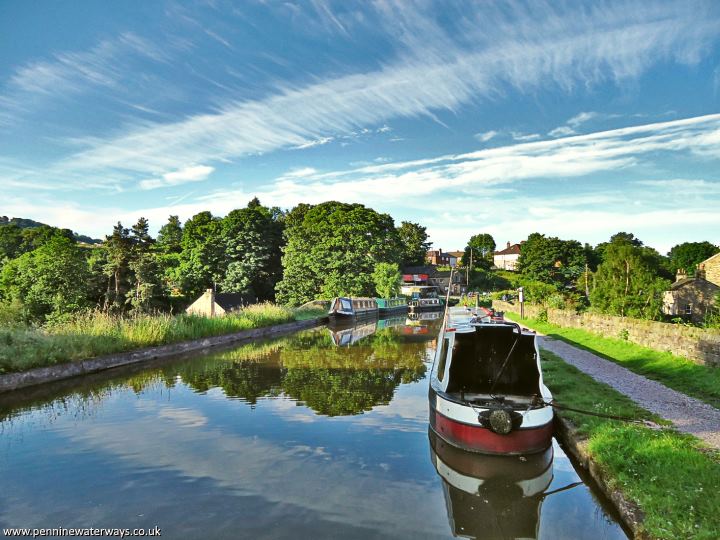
(436, 257)
(414, 276)
(694, 297)
(212, 304)
(507, 258)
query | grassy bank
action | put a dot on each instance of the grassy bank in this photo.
(701, 382)
(97, 334)
(670, 476)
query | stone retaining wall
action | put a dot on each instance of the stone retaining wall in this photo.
(700, 345)
(14, 381)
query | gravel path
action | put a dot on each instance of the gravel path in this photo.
(688, 414)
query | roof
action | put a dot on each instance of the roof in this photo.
(457, 254)
(687, 281)
(230, 301)
(512, 250)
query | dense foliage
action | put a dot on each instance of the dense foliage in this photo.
(688, 255)
(479, 251)
(332, 250)
(414, 243)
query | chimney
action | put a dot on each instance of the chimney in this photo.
(210, 293)
(508, 245)
(700, 272)
(680, 274)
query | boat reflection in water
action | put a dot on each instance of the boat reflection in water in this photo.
(489, 496)
(351, 332)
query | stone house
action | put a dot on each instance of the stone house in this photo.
(694, 297)
(212, 304)
(507, 258)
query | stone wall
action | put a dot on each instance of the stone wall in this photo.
(700, 345)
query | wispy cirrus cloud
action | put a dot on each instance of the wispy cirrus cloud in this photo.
(71, 72)
(536, 47)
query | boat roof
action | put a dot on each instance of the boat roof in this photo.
(466, 319)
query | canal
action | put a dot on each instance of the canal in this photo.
(316, 435)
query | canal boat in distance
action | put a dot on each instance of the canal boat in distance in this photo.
(343, 308)
(486, 386)
(388, 305)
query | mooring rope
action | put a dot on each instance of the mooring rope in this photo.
(628, 419)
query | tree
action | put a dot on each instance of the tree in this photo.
(386, 277)
(203, 260)
(117, 268)
(481, 247)
(688, 255)
(414, 243)
(170, 236)
(10, 241)
(49, 281)
(551, 260)
(253, 241)
(626, 282)
(332, 249)
(148, 290)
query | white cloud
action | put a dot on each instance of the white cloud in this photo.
(581, 118)
(537, 48)
(524, 137)
(196, 173)
(561, 131)
(486, 136)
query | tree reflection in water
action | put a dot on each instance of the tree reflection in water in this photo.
(309, 367)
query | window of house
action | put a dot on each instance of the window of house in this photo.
(688, 309)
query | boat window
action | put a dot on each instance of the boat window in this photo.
(346, 304)
(443, 358)
(478, 356)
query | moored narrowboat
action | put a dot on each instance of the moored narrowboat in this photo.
(387, 305)
(349, 308)
(486, 387)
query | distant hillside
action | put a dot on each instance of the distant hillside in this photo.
(25, 223)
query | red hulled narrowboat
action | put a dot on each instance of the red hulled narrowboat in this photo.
(486, 386)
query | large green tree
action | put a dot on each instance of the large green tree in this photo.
(414, 243)
(551, 260)
(627, 282)
(117, 268)
(203, 260)
(480, 249)
(48, 281)
(148, 290)
(253, 240)
(688, 255)
(332, 249)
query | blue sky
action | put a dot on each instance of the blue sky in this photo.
(570, 119)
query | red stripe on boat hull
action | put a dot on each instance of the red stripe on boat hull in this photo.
(485, 441)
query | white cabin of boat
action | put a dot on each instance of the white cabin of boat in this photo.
(352, 307)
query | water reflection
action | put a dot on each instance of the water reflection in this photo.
(492, 496)
(263, 440)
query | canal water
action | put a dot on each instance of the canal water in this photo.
(317, 435)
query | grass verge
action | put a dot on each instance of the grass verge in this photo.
(97, 334)
(672, 477)
(701, 382)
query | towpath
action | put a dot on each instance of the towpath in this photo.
(688, 414)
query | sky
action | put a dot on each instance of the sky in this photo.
(571, 119)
